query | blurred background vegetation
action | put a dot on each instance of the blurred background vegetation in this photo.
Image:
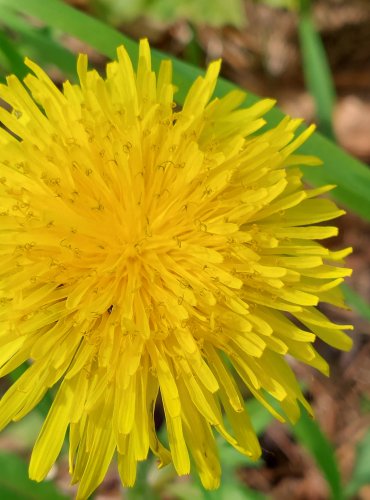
(314, 58)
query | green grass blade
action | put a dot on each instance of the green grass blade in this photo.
(316, 69)
(15, 484)
(356, 302)
(13, 59)
(60, 15)
(48, 50)
(361, 472)
(36, 43)
(350, 175)
(309, 435)
(260, 417)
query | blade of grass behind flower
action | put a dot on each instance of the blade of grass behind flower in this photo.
(15, 484)
(361, 471)
(309, 435)
(316, 69)
(36, 43)
(14, 60)
(350, 175)
(356, 301)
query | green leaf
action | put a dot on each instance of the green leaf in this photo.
(15, 484)
(350, 175)
(356, 302)
(309, 434)
(14, 61)
(361, 473)
(25, 431)
(316, 69)
(46, 48)
(143, 487)
(231, 459)
(230, 488)
(61, 16)
(38, 43)
(259, 415)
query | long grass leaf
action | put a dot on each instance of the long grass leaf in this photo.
(13, 58)
(309, 434)
(316, 69)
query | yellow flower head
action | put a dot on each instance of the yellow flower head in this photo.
(152, 252)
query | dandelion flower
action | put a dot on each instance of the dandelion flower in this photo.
(153, 253)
